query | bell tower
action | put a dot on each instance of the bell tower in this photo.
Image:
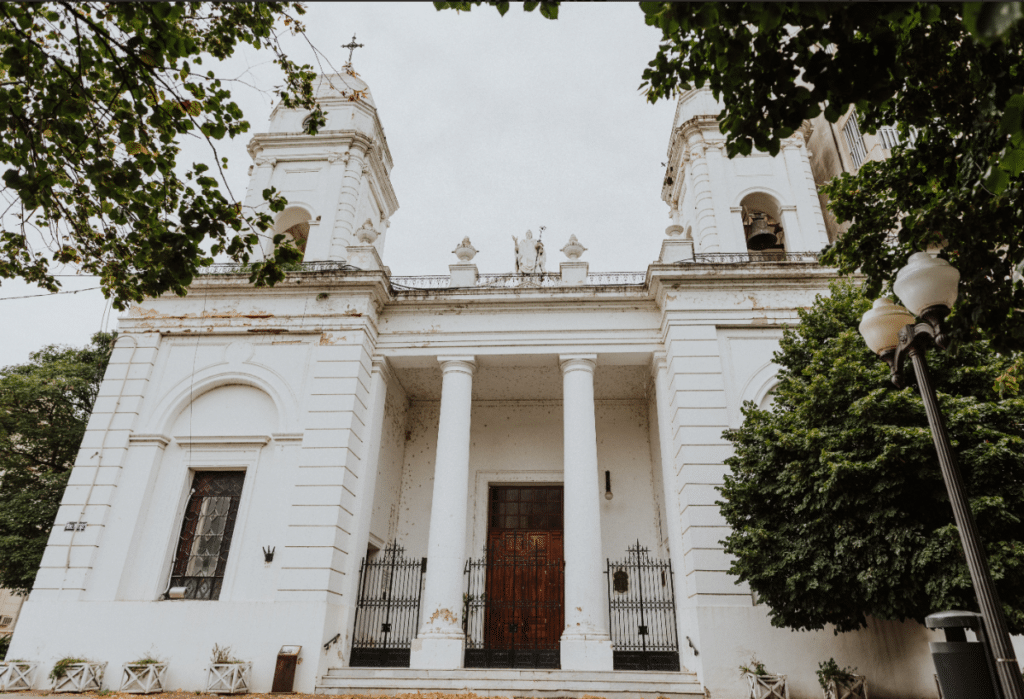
(337, 183)
(757, 203)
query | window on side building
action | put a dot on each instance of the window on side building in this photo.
(206, 530)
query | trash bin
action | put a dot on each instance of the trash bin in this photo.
(964, 668)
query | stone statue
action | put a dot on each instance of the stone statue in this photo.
(530, 256)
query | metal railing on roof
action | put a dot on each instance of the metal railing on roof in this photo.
(517, 281)
(242, 268)
(729, 258)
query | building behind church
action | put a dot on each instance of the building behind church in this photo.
(489, 481)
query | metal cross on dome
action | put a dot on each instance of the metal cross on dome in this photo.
(351, 46)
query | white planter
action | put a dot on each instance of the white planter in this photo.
(15, 676)
(81, 677)
(143, 678)
(857, 688)
(767, 686)
(228, 678)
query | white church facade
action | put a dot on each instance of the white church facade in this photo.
(503, 483)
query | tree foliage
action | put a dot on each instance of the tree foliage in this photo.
(95, 99)
(44, 408)
(836, 502)
(950, 76)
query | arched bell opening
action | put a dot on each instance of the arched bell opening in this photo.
(762, 223)
(293, 223)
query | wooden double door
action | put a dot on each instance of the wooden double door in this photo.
(518, 608)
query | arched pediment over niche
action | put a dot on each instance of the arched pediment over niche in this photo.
(231, 410)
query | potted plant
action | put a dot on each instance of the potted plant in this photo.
(143, 676)
(764, 684)
(841, 683)
(227, 674)
(71, 674)
(16, 675)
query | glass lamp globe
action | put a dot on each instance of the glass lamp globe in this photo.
(926, 281)
(881, 325)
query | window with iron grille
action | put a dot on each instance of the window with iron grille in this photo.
(889, 136)
(5, 621)
(854, 139)
(206, 533)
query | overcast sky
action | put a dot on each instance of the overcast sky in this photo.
(496, 125)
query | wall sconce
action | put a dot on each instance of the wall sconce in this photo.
(268, 554)
(608, 485)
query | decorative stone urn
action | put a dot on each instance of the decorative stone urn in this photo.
(366, 233)
(143, 678)
(855, 688)
(16, 675)
(228, 678)
(80, 677)
(465, 250)
(767, 686)
(573, 249)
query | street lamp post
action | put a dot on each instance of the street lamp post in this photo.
(929, 287)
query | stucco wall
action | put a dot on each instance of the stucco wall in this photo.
(389, 469)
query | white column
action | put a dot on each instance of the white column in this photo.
(440, 642)
(586, 644)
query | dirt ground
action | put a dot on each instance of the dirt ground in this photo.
(204, 695)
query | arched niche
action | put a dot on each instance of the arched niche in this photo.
(232, 410)
(293, 222)
(762, 223)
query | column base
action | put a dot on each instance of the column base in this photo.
(437, 653)
(586, 653)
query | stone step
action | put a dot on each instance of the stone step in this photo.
(514, 683)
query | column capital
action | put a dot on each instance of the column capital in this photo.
(464, 363)
(659, 362)
(577, 362)
(382, 366)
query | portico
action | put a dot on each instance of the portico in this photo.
(585, 642)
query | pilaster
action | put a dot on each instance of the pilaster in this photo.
(95, 478)
(348, 201)
(367, 488)
(319, 540)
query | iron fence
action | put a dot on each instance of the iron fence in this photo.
(387, 610)
(642, 612)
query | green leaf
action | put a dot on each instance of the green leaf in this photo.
(1013, 161)
(991, 20)
(1011, 122)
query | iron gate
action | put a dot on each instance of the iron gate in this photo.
(513, 615)
(387, 610)
(642, 612)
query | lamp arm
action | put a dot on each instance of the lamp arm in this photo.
(920, 335)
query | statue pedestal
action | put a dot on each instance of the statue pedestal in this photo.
(675, 250)
(463, 274)
(574, 272)
(363, 257)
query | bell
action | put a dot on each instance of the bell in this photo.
(760, 235)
